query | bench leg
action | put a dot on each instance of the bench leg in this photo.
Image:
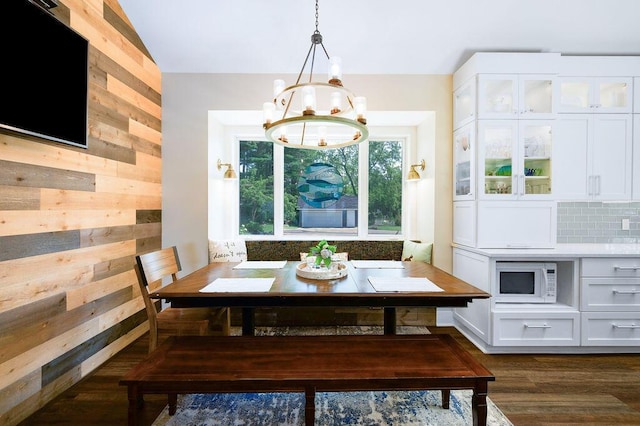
(479, 405)
(135, 403)
(446, 395)
(172, 400)
(309, 406)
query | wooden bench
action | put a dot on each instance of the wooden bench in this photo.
(309, 364)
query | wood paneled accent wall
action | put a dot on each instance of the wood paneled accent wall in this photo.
(72, 220)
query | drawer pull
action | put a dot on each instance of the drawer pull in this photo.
(626, 291)
(632, 326)
(537, 326)
(626, 268)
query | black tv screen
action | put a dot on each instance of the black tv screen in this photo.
(43, 75)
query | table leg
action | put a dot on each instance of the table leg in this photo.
(479, 405)
(389, 320)
(248, 322)
(310, 406)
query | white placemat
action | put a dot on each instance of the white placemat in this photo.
(403, 284)
(377, 264)
(261, 264)
(238, 285)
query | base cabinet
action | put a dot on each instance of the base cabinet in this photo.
(536, 328)
(597, 308)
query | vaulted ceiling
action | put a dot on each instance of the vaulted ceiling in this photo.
(375, 36)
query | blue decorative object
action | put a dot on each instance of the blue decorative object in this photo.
(320, 185)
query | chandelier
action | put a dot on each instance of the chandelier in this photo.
(328, 115)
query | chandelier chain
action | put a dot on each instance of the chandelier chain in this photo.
(317, 31)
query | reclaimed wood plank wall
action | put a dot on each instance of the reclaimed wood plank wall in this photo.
(72, 220)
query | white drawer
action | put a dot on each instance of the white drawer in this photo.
(610, 294)
(537, 329)
(610, 329)
(611, 267)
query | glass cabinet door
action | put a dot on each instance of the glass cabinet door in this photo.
(464, 104)
(497, 96)
(464, 163)
(536, 151)
(497, 140)
(613, 95)
(536, 96)
(599, 94)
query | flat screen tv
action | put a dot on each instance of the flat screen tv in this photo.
(43, 75)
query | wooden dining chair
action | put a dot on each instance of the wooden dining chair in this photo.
(151, 269)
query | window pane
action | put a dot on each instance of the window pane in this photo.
(385, 188)
(321, 191)
(256, 188)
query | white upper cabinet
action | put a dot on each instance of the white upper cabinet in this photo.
(509, 96)
(595, 94)
(593, 157)
(464, 104)
(464, 163)
(636, 95)
(514, 159)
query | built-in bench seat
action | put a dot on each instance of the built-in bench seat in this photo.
(309, 364)
(291, 249)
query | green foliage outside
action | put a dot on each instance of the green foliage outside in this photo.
(257, 191)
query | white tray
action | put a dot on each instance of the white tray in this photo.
(336, 270)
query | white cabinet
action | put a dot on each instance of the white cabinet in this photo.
(464, 163)
(508, 96)
(610, 301)
(636, 95)
(514, 159)
(464, 104)
(517, 328)
(593, 157)
(635, 185)
(595, 94)
(516, 224)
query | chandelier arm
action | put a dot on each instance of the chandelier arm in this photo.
(305, 62)
(304, 129)
(325, 50)
(313, 61)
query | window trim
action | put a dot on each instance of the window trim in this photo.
(403, 134)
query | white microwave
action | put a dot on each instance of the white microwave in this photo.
(525, 282)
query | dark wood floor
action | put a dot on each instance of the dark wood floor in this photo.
(529, 389)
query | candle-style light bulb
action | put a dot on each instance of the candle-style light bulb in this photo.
(336, 102)
(335, 70)
(360, 105)
(268, 108)
(308, 100)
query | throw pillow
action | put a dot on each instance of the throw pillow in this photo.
(227, 251)
(417, 251)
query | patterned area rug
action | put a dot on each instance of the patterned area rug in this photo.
(393, 408)
(332, 409)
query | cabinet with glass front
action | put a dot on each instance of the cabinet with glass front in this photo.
(508, 96)
(464, 163)
(515, 159)
(595, 94)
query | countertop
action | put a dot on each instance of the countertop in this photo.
(561, 251)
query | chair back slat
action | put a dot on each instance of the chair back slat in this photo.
(158, 264)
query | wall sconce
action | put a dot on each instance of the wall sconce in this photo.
(413, 173)
(229, 173)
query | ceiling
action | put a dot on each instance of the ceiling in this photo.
(374, 36)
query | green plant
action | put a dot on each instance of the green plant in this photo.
(323, 252)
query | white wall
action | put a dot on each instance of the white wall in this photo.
(189, 165)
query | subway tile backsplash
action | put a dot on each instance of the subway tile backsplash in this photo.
(598, 222)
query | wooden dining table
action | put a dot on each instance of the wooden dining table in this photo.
(291, 290)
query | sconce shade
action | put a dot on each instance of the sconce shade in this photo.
(413, 173)
(229, 173)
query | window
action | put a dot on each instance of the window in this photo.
(350, 191)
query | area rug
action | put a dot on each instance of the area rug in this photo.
(332, 409)
(391, 408)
